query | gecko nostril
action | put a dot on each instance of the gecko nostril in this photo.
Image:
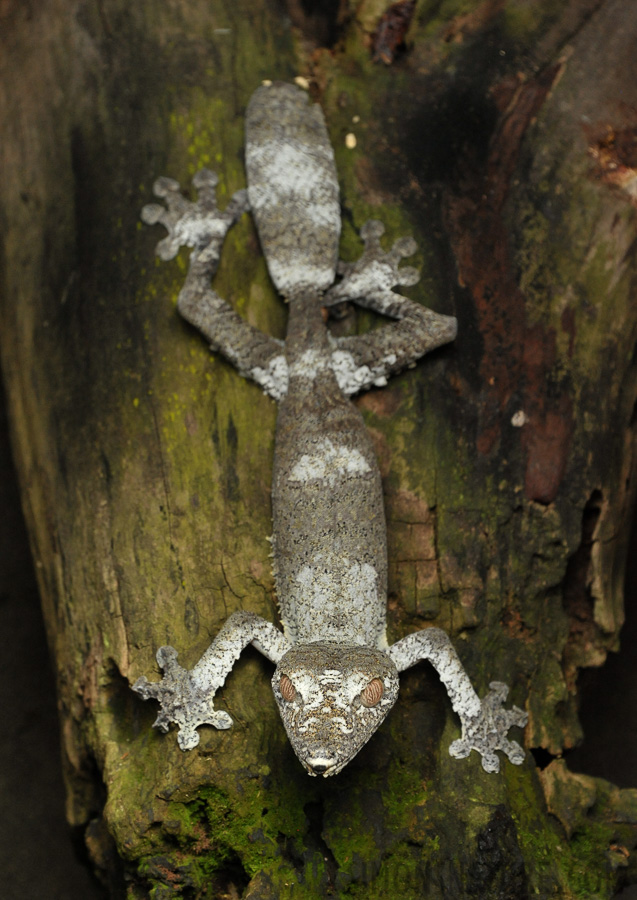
(320, 764)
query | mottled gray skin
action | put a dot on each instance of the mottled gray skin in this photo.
(336, 678)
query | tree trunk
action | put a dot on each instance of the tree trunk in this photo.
(503, 135)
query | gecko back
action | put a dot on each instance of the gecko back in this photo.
(293, 188)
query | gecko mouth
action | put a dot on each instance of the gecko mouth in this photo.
(321, 765)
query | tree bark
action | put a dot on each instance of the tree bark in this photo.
(502, 135)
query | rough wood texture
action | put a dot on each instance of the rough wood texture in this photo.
(504, 138)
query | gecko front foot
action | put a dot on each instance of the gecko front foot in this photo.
(487, 732)
(377, 271)
(181, 700)
(199, 225)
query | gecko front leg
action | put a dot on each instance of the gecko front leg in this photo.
(370, 359)
(485, 723)
(186, 696)
(203, 227)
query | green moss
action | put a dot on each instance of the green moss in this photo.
(404, 792)
(401, 874)
(579, 864)
(350, 834)
(538, 837)
(585, 865)
(522, 20)
(216, 828)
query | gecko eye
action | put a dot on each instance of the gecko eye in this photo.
(371, 694)
(288, 691)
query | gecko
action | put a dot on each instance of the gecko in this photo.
(336, 676)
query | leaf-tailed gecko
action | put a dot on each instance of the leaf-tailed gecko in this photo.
(336, 677)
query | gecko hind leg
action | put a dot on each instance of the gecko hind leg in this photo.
(199, 224)
(203, 227)
(368, 360)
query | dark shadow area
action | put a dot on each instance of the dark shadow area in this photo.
(37, 856)
(608, 700)
(608, 705)
(319, 20)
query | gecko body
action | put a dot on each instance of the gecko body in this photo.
(336, 678)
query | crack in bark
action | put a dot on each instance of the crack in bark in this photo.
(582, 645)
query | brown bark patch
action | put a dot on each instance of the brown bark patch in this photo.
(472, 22)
(547, 441)
(546, 436)
(383, 403)
(89, 681)
(615, 154)
(568, 796)
(517, 357)
(569, 328)
(391, 31)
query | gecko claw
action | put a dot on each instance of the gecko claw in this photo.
(487, 732)
(459, 749)
(164, 186)
(205, 182)
(152, 213)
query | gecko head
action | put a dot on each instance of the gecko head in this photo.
(332, 698)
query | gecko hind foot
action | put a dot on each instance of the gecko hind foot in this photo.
(199, 224)
(487, 732)
(181, 701)
(376, 271)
